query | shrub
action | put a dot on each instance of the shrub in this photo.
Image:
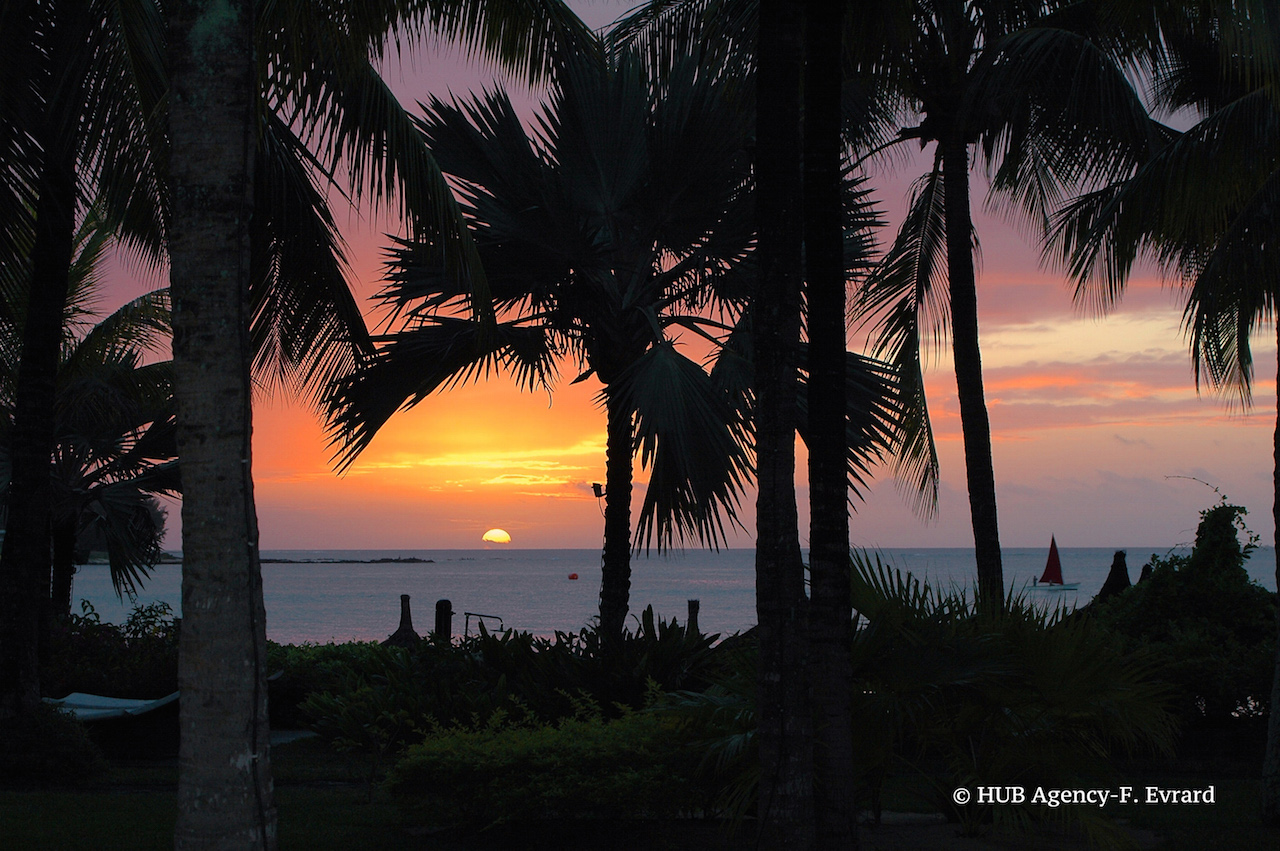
(298, 671)
(136, 659)
(543, 678)
(374, 701)
(960, 698)
(632, 766)
(1211, 627)
(49, 748)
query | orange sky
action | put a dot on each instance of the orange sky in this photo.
(1093, 421)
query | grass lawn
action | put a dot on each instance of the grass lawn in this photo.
(323, 804)
(1232, 823)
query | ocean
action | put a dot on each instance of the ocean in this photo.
(348, 595)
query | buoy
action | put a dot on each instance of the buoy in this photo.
(573, 576)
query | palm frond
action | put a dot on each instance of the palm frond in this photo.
(123, 516)
(905, 299)
(1234, 290)
(415, 363)
(691, 443)
(1220, 162)
(1068, 118)
(140, 325)
(719, 34)
(306, 327)
(872, 415)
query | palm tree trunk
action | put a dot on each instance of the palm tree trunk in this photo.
(64, 568)
(785, 723)
(24, 562)
(224, 784)
(830, 612)
(1271, 755)
(974, 422)
(615, 565)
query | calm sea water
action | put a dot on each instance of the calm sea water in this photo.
(338, 596)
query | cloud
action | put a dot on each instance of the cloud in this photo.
(523, 479)
(544, 458)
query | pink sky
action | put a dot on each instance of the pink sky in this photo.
(1094, 420)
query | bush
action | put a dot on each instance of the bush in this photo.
(300, 670)
(961, 698)
(375, 700)
(136, 659)
(632, 766)
(49, 748)
(1211, 627)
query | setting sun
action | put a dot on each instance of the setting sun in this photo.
(497, 536)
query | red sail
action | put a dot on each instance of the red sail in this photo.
(1053, 567)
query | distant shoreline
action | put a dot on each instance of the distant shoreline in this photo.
(392, 560)
(168, 558)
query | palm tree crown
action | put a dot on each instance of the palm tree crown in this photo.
(1204, 206)
(623, 219)
(1036, 90)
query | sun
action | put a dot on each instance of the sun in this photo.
(496, 536)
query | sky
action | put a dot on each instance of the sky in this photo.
(1098, 430)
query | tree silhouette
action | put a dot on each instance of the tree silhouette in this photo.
(1204, 206)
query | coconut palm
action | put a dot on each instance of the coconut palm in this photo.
(224, 785)
(625, 220)
(1204, 207)
(601, 236)
(786, 724)
(725, 34)
(978, 80)
(115, 449)
(325, 112)
(830, 612)
(82, 82)
(988, 77)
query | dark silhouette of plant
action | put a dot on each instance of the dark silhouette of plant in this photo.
(1036, 90)
(623, 221)
(1021, 694)
(1209, 624)
(114, 449)
(1204, 207)
(314, 66)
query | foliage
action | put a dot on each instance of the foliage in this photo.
(298, 670)
(632, 766)
(375, 700)
(48, 748)
(114, 446)
(1212, 627)
(719, 723)
(961, 697)
(376, 710)
(136, 659)
(621, 220)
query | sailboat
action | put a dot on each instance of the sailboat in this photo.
(1052, 578)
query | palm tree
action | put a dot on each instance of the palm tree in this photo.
(786, 725)
(830, 610)
(604, 233)
(81, 85)
(115, 449)
(725, 34)
(326, 111)
(113, 442)
(224, 782)
(1204, 207)
(986, 75)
